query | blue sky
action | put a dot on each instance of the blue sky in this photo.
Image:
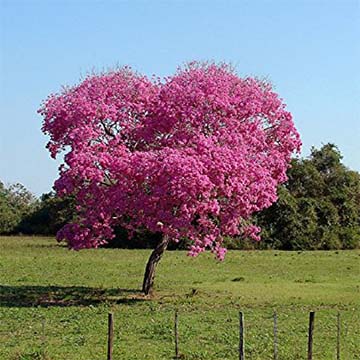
(310, 50)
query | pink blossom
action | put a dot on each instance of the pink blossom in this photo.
(193, 156)
(252, 232)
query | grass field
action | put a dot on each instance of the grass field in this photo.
(54, 303)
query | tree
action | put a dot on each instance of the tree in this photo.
(318, 206)
(9, 216)
(49, 216)
(15, 203)
(190, 157)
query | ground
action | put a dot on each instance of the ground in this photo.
(54, 303)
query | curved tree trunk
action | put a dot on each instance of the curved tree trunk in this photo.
(151, 265)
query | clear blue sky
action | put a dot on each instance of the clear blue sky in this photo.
(308, 49)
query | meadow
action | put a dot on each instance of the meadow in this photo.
(54, 303)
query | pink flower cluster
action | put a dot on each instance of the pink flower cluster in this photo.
(193, 156)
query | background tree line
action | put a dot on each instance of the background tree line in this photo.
(318, 208)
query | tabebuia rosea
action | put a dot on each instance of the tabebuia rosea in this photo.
(191, 156)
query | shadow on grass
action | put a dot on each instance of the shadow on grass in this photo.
(46, 296)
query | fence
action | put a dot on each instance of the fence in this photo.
(242, 354)
(243, 335)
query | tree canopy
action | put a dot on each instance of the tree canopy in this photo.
(15, 203)
(318, 206)
(193, 156)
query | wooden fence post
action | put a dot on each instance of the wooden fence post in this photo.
(110, 336)
(275, 337)
(176, 335)
(311, 333)
(43, 345)
(338, 338)
(242, 336)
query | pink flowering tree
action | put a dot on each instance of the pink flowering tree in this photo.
(192, 156)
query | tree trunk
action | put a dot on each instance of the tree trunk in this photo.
(151, 265)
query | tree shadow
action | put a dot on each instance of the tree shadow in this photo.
(48, 296)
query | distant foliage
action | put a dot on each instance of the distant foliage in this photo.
(191, 157)
(15, 203)
(22, 213)
(49, 216)
(318, 207)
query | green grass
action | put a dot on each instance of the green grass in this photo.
(54, 303)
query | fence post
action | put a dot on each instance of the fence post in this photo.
(275, 337)
(338, 338)
(242, 336)
(176, 335)
(43, 336)
(311, 333)
(110, 336)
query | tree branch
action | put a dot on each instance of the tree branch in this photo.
(107, 131)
